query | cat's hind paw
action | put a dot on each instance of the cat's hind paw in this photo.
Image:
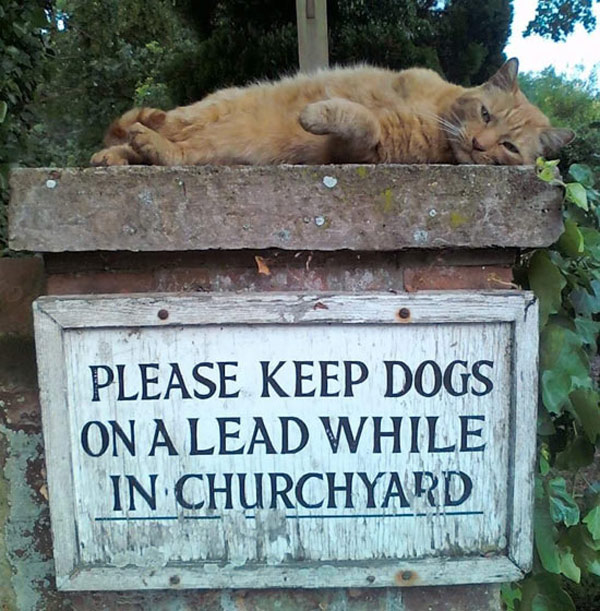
(315, 118)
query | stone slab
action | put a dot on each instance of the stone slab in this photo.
(368, 208)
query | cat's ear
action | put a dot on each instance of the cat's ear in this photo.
(554, 138)
(506, 77)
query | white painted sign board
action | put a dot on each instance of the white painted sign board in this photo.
(265, 440)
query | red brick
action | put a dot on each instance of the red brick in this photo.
(21, 282)
(100, 282)
(455, 277)
(453, 598)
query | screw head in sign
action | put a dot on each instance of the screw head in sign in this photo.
(404, 313)
(163, 314)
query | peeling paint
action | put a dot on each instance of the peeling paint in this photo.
(30, 569)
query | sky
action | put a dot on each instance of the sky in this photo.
(535, 53)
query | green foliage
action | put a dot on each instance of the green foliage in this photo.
(556, 19)
(23, 54)
(570, 103)
(566, 281)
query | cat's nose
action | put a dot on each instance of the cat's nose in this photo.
(477, 145)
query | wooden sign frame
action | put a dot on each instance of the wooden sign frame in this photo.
(55, 316)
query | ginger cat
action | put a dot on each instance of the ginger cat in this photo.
(343, 115)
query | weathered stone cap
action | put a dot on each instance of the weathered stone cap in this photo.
(356, 207)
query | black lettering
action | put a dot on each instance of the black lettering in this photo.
(120, 433)
(212, 387)
(350, 381)
(433, 449)
(489, 385)
(394, 434)
(345, 426)
(165, 441)
(420, 490)
(212, 491)
(395, 490)
(370, 486)
(85, 438)
(116, 484)
(467, 483)
(414, 434)
(176, 382)
(149, 497)
(326, 376)
(223, 394)
(300, 491)
(346, 488)
(389, 377)
(285, 434)
(96, 385)
(465, 433)
(121, 382)
(268, 379)
(298, 392)
(179, 492)
(194, 450)
(224, 435)
(283, 493)
(437, 379)
(259, 428)
(146, 380)
(258, 504)
(463, 376)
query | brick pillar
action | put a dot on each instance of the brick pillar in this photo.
(144, 230)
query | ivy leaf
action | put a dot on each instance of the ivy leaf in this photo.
(586, 404)
(592, 520)
(543, 592)
(510, 594)
(578, 453)
(3, 111)
(571, 242)
(547, 283)
(576, 195)
(586, 303)
(568, 567)
(563, 507)
(545, 539)
(582, 173)
(564, 366)
(588, 330)
(584, 549)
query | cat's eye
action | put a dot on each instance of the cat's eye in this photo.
(509, 146)
(485, 115)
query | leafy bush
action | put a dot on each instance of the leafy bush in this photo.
(569, 102)
(566, 280)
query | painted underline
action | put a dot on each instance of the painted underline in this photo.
(296, 517)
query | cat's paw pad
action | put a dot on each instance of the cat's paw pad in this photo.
(315, 118)
(106, 157)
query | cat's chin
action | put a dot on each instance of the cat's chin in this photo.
(463, 156)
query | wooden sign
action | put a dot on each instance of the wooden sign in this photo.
(283, 440)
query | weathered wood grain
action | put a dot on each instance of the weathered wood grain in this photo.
(235, 549)
(313, 48)
(376, 208)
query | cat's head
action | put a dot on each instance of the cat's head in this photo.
(496, 124)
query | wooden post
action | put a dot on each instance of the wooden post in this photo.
(313, 50)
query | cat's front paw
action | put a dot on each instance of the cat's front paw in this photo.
(315, 118)
(107, 157)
